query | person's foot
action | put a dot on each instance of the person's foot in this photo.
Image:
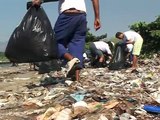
(72, 66)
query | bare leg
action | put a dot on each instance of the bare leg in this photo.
(77, 75)
(135, 59)
(68, 56)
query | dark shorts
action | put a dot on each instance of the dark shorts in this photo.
(70, 33)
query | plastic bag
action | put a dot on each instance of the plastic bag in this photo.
(118, 60)
(33, 40)
(152, 109)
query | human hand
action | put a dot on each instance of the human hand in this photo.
(97, 24)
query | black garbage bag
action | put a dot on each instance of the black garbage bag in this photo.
(118, 60)
(33, 40)
(47, 66)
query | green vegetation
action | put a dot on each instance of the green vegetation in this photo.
(2, 57)
(151, 35)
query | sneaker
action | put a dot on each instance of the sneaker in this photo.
(71, 64)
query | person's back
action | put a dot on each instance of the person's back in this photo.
(103, 46)
(132, 35)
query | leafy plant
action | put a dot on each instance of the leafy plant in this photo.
(151, 35)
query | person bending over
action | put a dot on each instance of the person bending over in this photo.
(99, 51)
(134, 38)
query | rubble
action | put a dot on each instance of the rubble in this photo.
(101, 94)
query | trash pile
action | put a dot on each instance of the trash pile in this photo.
(101, 94)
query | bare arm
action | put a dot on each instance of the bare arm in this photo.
(129, 42)
(97, 23)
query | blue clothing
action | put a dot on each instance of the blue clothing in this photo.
(70, 33)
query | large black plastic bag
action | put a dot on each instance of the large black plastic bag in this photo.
(33, 40)
(118, 60)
